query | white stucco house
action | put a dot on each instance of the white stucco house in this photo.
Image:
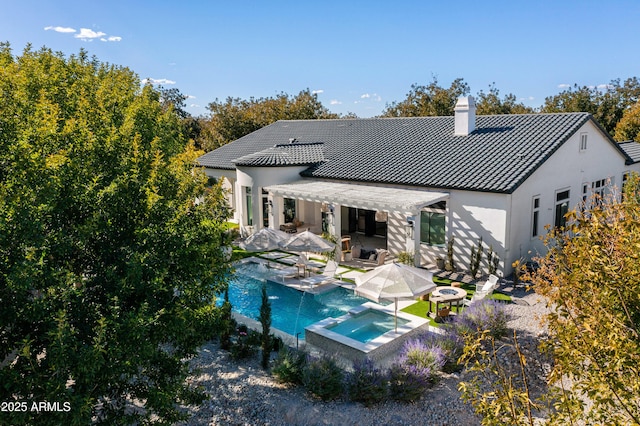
(417, 182)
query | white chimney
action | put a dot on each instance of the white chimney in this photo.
(465, 111)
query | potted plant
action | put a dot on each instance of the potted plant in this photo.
(440, 262)
(346, 256)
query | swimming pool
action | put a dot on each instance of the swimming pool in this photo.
(367, 325)
(291, 310)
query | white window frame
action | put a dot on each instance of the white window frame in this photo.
(535, 217)
(584, 137)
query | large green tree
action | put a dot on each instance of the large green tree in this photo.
(490, 103)
(108, 264)
(233, 118)
(607, 104)
(429, 100)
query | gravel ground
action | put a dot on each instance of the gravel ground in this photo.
(244, 394)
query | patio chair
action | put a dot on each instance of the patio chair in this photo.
(483, 290)
(328, 275)
(291, 272)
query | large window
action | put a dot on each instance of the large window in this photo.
(249, 205)
(562, 208)
(265, 209)
(432, 225)
(289, 210)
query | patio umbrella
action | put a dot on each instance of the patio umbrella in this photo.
(264, 240)
(308, 241)
(395, 281)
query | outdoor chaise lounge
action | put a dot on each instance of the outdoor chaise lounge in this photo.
(328, 275)
(484, 290)
(290, 272)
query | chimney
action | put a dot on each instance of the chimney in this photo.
(465, 112)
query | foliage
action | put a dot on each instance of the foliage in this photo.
(427, 359)
(476, 258)
(289, 365)
(607, 104)
(108, 266)
(323, 378)
(227, 323)
(451, 344)
(331, 255)
(591, 275)
(407, 383)
(244, 343)
(233, 118)
(406, 257)
(484, 315)
(451, 265)
(492, 260)
(430, 100)
(628, 128)
(367, 384)
(490, 103)
(509, 400)
(265, 321)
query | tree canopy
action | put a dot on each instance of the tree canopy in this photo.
(430, 100)
(108, 265)
(233, 118)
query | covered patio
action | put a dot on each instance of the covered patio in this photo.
(364, 212)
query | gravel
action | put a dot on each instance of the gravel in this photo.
(242, 393)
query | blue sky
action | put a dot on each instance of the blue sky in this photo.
(357, 55)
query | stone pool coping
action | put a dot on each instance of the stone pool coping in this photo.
(376, 349)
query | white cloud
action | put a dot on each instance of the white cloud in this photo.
(605, 86)
(158, 81)
(317, 92)
(365, 96)
(86, 34)
(190, 97)
(60, 29)
(111, 38)
(335, 102)
(194, 105)
(563, 86)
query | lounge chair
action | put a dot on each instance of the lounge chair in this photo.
(291, 272)
(328, 275)
(483, 290)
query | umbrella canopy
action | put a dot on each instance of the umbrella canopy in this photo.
(264, 240)
(308, 241)
(395, 281)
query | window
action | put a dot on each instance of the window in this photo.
(562, 208)
(289, 210)
(249, 205)
(583, 142)
(432, 224)
(265, 209)
(598, 187)
(535, 217)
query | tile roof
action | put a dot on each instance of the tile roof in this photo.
(497, 157)
(291, 154)
(632, 150)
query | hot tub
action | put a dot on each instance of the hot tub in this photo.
(366, 331)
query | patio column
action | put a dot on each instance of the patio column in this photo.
(417, 258)
(275, 211)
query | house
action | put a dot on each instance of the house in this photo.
(417, 182)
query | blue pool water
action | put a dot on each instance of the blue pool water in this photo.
(291, 310)
(367, 325)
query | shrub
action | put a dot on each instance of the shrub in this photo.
(418, 354)
(476, 258)
(486, 314)
(406, 257)
(323, 378)
(452, 345)
(265, 321)
(243, 346)
(367, 384)
(407, 383)
(288, 365)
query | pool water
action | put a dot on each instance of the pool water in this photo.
(291, 310)
(366, 326)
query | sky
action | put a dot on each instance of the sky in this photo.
(358, 56)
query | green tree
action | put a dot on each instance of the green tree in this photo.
(235, 117)
(265, 321)
(490, 103)
(430, 100)
(607, 104)
(108, 265)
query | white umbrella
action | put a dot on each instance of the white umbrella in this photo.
(264, 240)
(308, 241)
(395, 281)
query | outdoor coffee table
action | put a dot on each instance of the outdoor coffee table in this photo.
(446, 294)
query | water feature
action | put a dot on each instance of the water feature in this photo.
(291, 310)
(367, 325)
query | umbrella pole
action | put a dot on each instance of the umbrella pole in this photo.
(396, 316)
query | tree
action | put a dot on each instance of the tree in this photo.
(265, 321)
(108, 266)
(607, 104)
(628, 128)
(235, 117)
(490, 103)
(429, 100)
(591, 278)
